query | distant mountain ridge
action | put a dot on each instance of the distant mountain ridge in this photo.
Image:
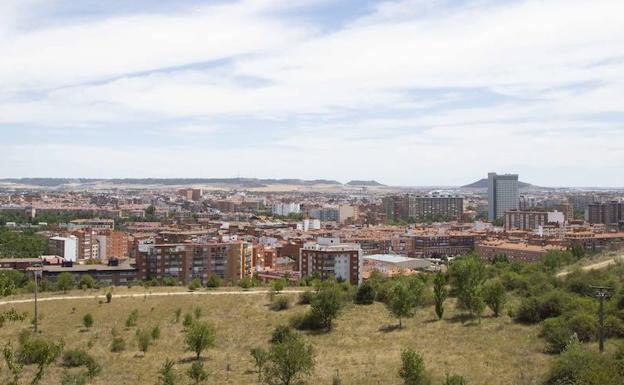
(483, 183)
(367, 183)
(244, 182)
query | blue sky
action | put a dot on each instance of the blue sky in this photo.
(407, 92)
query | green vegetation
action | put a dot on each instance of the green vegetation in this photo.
(439, 293)
(199, 337)
(413, 369)
(25, 244)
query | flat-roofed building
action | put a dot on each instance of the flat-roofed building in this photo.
(328, 257)
(514, 251)
(503, 194)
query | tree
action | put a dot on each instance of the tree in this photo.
(365, 294)
(326, 306)
(39, 351)
(166, 375)
(289, 361)
(13, 364)
(467, 277)
(155, 332)
(439, 294)
(86, 282)
(400, 301)
(144, 340)
(495, 296)
(277, 286)
(197, 373)
(65, 281)
(200, 336)
(109, 297)
(260, 357)
(132, 319)
(413, 369)
(87, 320)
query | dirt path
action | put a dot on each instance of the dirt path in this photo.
(141, 295)
(595, 266)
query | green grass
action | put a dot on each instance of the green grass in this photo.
(363, 347)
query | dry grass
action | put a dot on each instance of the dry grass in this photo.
(363, 347)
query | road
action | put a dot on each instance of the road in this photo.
(141, 295)
(595, 266)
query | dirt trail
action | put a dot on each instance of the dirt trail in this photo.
(141, 295)
(595, 266)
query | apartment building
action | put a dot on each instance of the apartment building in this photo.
(525, 220)
(514, 251)
(285, 209)
(66, 247)
(187, 261)
(438, 245)
(409, 206)
(328, 257)
(608, 213)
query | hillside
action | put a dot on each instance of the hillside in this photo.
(483, 183)
(367, 183)
(238, 182)
(498, 351)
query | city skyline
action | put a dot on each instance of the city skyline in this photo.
(408, 93)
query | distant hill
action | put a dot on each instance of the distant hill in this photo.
(242, 182)
(483, 183)
(367, 183)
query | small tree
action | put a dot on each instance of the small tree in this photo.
(109, 297)
(365, 294)
(166, 375)
(400, 301)
(39, 351)
(289, 361)
(439, 294)
(197, 373)
(144, 340)
(200, 336)
(13, 364)
(188, 320)
(495, 296)
(326, 306)
(467, 277)
(65, 281)
(413, 369)
(87, 320)
(281, 333)
(277, 286)
(260, 357)
(246, 283)
(118, 344)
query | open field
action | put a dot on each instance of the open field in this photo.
(361, 347)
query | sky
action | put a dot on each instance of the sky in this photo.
(406, 92)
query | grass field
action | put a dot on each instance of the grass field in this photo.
(363, 347)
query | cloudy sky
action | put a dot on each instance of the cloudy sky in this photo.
(407, 92)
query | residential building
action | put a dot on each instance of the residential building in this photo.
(325, 214)
(608, 213)
(328, 257)
(525, 220)
(423, 208)
(66, 247)
(514, 251)
(503, 194)
(438, 245)
(285, 209)
(347, 212)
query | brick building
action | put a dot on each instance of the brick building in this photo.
(327, 257)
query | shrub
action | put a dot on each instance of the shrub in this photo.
(214, 281)
(86, 282)
(536, 309)
(281, 333)
(69, 378)
(245, 283)
(118, 344)
(132, 319)
(413, 369)
(195, 284)
(74, 358)
(614, 327)
(365, 294)
(584, 325)
(306, 321)
(155, 332)
(200, 336)
(144, 339)
(188, 320)
(306, 297)
(556, 333)
(280, 303)
(109, 297)
(171, 281)
(87, 320)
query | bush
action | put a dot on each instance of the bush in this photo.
(214, 281)
(413, 369)
(195, 284)
(188, 320)
(109, 297)
(280, 303)
(306, 297)
(614, 327)
(132, 319)
(281, 333)
(74, 358)
(306, 321)
(245, 283)
(87, 320)
(556, 333)
(584, 325)
(365, 294)
(536, 309)
(144, 339)
(155, 332)
(170, 281)
(86, 282)
(118, 345)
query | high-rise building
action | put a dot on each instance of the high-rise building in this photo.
(66, 247)
(502, 194)
(608, 213)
